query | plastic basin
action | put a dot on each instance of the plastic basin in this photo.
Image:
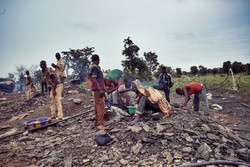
(36, 123)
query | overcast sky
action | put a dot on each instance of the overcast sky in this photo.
(181, 32)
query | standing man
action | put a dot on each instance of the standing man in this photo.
(96, 77)
(200, 94)
(29, 86)
(165, 82)
(60, 69)
(55, 90)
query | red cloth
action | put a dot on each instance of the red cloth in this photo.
(193, 88)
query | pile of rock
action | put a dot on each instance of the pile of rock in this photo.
(181, 138)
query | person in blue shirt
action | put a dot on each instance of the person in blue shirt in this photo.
(165, 82)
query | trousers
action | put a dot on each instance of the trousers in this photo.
(28, 90)
(201, 97)
(145, 102)
(99, 108)
(55, 102)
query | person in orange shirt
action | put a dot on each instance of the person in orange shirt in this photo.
(199, 92)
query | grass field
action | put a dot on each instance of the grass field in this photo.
(220, 81)
(217, 81)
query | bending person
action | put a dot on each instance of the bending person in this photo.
(199, 92)
(149, 97)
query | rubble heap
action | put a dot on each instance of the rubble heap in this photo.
(184, 137)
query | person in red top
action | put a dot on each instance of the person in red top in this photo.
(199, 92)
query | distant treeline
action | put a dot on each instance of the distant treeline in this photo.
(146, 66)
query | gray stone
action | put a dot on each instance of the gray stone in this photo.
(30, 147)
(204, 150)
(212, 136)
(224, 140)
(146, 127)
(242, 150)
(203, 136)
(187, 149)
(124, 162)
(160, 128)
(24, 138)
(68, 161)
(189, 139)
(191, 132)
(177, 155)
(70, 99)
(136, 148)
(205, 127)
(169, 134)
(50, 132)
(135, 128)
(77, 101)
(51, 161)
(169, 158)
(164, 142)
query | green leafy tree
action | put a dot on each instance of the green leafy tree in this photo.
(178, 72)
(247, 68)
(194, 70)
(133, 65)
(202, 70)
(215, 71)
(226, 66)
(237, 67)
(78, 60)
(151, 60)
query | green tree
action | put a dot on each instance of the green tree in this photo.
(133, 65)
(237, 67)
(194, 70)
(202, 70)
(178, 72)
(78, 60)
(151, 61)
(247, 68)
(215, 71)
(226, 66)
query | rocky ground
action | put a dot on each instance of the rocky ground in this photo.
(184, 137)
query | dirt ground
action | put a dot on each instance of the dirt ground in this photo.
(16, 105)
(235, 114)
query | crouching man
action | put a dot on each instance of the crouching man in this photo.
(55, 90)
(199, 92)
(149, 97)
